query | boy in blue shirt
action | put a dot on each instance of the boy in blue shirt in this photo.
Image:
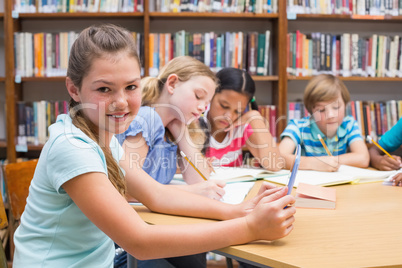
(390, 141)
(325, 98)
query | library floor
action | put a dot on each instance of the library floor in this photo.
(220, 264)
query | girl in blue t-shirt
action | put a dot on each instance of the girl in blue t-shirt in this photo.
(171, 101)
(76, 206)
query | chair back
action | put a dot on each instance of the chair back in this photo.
(18, 177)
(3, 225)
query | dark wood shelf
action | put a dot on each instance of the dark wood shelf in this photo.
(338, 17)
(81, 15)
(32, 147)
(210, 15)
(2, 79)
(353, 78)
(3, 144)
(265, 78)
(1, 15)
(45, 79)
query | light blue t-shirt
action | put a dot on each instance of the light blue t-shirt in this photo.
(53, 230)
(160, 162)
(304, 132)
(392, 139)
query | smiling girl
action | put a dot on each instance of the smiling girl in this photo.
(76, 206)
(325, 97)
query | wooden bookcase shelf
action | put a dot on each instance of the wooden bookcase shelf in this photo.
(149, 23)
(337, 17)
(206, 15)
(353, 78)
(44, 79)
(81, 15)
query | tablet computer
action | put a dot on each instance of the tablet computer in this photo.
(292, 177)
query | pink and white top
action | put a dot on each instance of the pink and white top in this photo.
(228, 153)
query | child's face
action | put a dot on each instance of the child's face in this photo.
(192, 97)
(111, 93)
(226, 107)
(329, 115)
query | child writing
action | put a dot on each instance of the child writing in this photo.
(171, 101)
(232, 128)
(325, 98)
(76, 206)
(390, 141)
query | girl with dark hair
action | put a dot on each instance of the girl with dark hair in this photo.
(232, 128)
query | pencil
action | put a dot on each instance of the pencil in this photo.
(379, 147)
(196, 169)
(324, 145)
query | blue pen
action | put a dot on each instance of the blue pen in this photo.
(294, 169)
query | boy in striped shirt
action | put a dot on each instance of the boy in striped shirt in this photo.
(325, 98)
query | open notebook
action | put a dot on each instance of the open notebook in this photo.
(231, 174)
(345, 174)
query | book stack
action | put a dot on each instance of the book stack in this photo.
(269, 113)
(249, 51)
(375, 118)
(34, 118)
(225, 6)
(352, 7)
(46, 54)
(348, 54)
(73, 6)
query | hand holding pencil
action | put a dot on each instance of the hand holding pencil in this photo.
(383, 162)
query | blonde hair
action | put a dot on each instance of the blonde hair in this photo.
(324, 87)
(185, 68)
(104, 41)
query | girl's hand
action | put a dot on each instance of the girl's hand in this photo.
(248, 206)
(266, 186)
(212, 189)
(387, 163)
(397, 179)
(244, 119)
(272, 218)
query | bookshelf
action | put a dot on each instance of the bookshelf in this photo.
(277, 88)
(147, 22)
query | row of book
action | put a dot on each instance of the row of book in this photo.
(269, 113)
(34, 118)
(225, 6)
(72, 6)
(374, 118)
(248, 51)
(344, 55)
(46, 54)
(352, 7)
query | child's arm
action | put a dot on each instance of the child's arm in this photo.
(383, 162)
(135, 153)
(106, 208)
(190, 175)
(319, 163)
(260, 143)
(358, 156)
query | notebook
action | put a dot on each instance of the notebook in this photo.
(236, 174)
(231, 174)
(344, 175)
(314, 196)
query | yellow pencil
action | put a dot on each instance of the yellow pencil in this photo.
(196, 169)
(379, 147)
(324, 145)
